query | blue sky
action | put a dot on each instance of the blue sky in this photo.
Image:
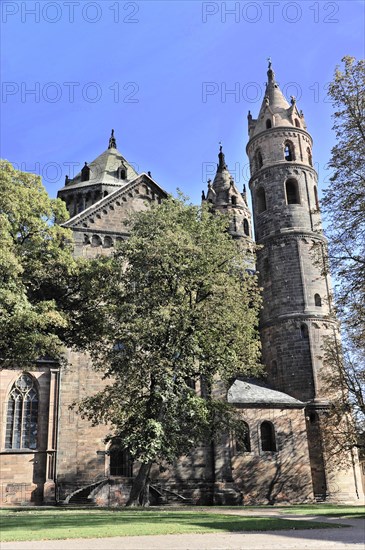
(159, 73)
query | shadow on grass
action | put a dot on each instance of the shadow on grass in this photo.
(32, 525)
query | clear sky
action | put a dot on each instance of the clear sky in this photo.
(160, 73)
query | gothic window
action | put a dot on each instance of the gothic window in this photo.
(297, 123)
(267, 436)
(22, 414)
(317, 300)
(260, 200)
(259, 161)
(292, 192)
(121, 463)
(288, 151)
(234, 200)
(309, 154)
(243, 442)
(316, 197)
(85, 173)
(268, 124)
(246, 228)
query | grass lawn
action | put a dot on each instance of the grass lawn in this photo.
(55, 523)
(330, 510)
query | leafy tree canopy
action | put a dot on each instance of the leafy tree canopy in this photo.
(344, 208)
(175, 307)
(35, 260)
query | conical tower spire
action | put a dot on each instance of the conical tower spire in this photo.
(112, 141)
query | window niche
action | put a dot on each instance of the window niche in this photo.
(260, 200)
(22, 414)
(289, 151)
(292, 191)
(259, 159)
(121, 464)
(267, 437)
(242, 438)
(317, 300)
(309, 155)
(246, 228)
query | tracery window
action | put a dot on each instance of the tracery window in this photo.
(22, 414)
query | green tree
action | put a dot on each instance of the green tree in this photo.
(175, 306)
(344, 209)
(35, 261)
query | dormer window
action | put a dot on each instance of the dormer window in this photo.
(234, 200)
(268, 124)
(289, 151)
(85, 173)
(122, 173)
(297, 123)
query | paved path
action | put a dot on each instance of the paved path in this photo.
(347, 538)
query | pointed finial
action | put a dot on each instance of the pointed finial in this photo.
(292, 99)
(270, 72)
(222, 163)
(112, 142)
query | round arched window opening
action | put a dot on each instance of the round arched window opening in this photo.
(260, 200)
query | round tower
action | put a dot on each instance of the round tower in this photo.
(296, 315)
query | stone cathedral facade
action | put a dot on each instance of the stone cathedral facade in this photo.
(51, 455)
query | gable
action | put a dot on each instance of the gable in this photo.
(98, 228)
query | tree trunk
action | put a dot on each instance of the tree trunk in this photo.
(139, 491)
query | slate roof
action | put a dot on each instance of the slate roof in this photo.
(248, 393)
(103, 170)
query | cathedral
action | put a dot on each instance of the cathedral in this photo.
(50, 455)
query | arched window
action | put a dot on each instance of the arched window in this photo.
(297, 123)
(260, 200)
(288, 151)
(304, 331)
(243, 441)
(96, 240)
(267, 436)
(22, 414)
(259, 161)
(316, 197)
(108, 242)
(292, 191)
(122, 173)
(309, 155)
(268, 124)
(234, 200)
(85, 173)
(246, 228)
(317, 300)
(121, 463)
